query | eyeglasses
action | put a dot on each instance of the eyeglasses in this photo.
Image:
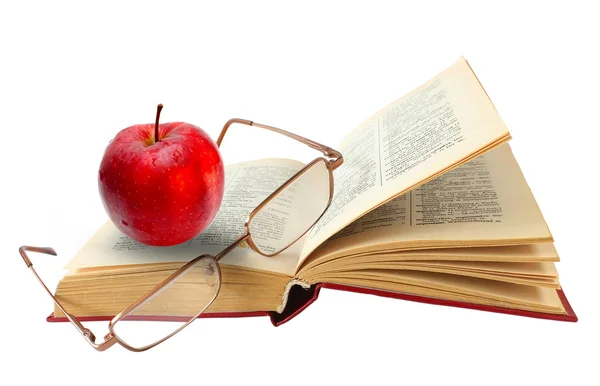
(273, 226)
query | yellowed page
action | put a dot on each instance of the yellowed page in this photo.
(542, 270)
(509, 253)
(546, 301)
(540, 298)
(484, 202)
(436, 127)
(548, 282)
(544, 252)
(533, 273)
(98, 291)
(247, 184)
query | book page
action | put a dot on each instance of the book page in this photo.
(544, 270)
(436, 127)
(246, 186)
(484, 202)
(548, 282)
(459, 288)
(510, 253)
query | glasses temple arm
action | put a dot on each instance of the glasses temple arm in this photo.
(327, 151)
(87, 334)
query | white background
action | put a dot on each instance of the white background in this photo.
(72, 75)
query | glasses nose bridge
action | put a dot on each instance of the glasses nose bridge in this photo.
(89, 335)
(109, 341)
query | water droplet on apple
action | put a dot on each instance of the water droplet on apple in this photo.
(101, 176)
(124, 223)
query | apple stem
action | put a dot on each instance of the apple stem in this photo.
(158, 109)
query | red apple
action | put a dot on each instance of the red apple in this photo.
(161, 184)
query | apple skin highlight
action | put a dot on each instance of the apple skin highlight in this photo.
(163, 192)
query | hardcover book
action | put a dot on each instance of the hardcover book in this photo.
(429, 205)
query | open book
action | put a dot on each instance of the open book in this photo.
(429, 205)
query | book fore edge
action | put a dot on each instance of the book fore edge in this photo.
(286, 292)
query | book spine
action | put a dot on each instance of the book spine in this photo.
(286, 292)
(298, 295)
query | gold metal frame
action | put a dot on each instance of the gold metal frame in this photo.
(333, 159)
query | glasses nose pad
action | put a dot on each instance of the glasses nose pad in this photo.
(211, 277)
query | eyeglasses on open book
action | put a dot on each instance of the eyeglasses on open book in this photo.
(273, 226)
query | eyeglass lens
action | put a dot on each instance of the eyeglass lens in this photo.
(293, 211)
(182, 299)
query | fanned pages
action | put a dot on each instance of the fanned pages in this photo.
(442, 124)
(485, 202)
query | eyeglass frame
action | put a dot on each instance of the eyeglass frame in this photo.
(335, 160)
